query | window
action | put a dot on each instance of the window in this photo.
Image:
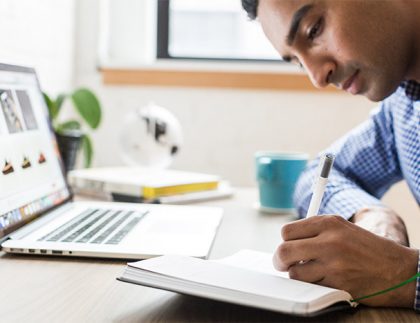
(144, 42)
(210, 29)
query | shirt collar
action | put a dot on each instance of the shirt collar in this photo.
(412, 90)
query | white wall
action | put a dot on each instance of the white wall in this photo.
(40, 34)
(223, 128)
(118, 43)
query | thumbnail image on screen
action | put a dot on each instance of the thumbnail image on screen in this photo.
(10, 112)
(27, 110)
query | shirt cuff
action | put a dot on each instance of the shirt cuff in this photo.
(417, 298)
(348, 201)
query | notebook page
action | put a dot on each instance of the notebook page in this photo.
(216, 274)
(253, 260)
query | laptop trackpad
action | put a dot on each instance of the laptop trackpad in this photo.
(180, 234)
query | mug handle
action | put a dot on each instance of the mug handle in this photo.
(265, 169)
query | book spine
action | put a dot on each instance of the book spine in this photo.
(86, 184)
(155, 192)
(94, 185)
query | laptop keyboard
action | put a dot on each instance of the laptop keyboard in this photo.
(107, 233)
(99, 226)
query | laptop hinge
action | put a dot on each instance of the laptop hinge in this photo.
(3, 240)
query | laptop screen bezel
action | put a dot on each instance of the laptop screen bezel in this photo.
(9, 231)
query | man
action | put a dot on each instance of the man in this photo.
(370, 48)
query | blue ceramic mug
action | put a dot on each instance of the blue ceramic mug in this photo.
(277, 174)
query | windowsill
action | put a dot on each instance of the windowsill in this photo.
(219, 74)
(205, 65)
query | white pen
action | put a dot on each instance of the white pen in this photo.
(325, 167)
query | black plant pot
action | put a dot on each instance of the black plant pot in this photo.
(69, 143)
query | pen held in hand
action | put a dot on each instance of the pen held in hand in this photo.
(326, 164)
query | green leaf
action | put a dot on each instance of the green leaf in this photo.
(69, 125)
(88, 106)
(87, 150)
(51, 105)
(59, 101)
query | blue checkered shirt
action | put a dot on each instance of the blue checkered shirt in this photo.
(370, 159)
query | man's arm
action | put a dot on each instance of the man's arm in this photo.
(365, 167)
(358, 258)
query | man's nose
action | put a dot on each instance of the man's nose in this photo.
(320, 72)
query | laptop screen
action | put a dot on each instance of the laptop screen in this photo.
(31, 177)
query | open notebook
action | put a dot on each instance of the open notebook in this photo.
(245, 278)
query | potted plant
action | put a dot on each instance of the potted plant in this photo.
(71, 134)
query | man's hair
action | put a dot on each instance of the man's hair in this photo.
(250, 7)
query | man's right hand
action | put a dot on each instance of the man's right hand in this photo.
(342, 255)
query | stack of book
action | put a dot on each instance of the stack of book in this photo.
(148, 185)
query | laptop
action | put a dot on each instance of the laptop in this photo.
(37, 212)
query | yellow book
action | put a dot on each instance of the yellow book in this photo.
(155, 192)
(147, 183)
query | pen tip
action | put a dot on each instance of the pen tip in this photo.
(328, 162)
(329, 157)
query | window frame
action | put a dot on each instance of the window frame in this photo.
(162, 41)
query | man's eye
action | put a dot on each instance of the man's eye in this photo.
(315, 30)
(297, 62)
(292, 59)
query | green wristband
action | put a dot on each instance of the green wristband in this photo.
(388, 289)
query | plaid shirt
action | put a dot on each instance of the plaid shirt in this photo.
(370, 159)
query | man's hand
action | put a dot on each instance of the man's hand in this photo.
(342, 255)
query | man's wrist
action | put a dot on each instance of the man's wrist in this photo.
(383, 222)
(417, 297)
(407, 268)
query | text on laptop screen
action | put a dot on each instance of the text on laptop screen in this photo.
(31, 179)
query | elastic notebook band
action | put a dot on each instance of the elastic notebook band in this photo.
(388, 289)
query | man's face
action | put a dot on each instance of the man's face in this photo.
(352, 44)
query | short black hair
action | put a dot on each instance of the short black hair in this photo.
(250, 7)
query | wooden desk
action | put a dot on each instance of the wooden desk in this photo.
(43, 289)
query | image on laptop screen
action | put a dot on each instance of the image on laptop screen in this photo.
(31, 178)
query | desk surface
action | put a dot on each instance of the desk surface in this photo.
(43, 289)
